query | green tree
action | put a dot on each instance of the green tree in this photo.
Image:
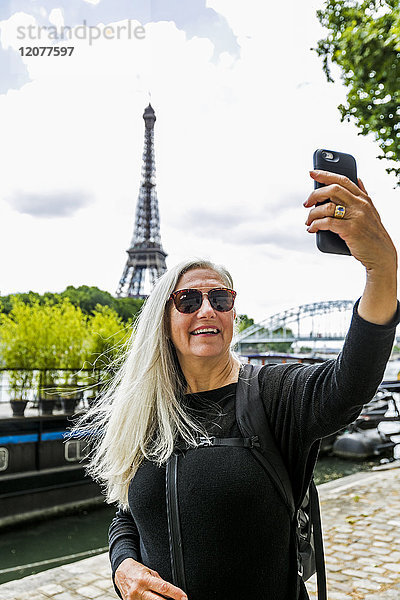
(363, 40)
(50, 336)
(64, 341)
(107, 334)
(7, 302)
(244, 322)
(88, 298)
(128, 308)
(85, 297)
(18, 339)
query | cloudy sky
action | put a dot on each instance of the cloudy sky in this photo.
(241, 104)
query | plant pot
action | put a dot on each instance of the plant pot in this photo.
(18, 407)
(68, 405)
(46, 406)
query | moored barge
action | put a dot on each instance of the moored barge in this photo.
(41, 468)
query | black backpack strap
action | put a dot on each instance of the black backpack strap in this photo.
(174, 526)
(318, 542)
(251, 442)
(252, 420)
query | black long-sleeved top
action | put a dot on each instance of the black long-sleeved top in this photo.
(235, 528)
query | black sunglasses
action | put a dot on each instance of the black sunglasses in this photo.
(189, 300)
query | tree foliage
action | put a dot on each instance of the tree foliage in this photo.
(55, 335)
(108, 335)
(87, 298)
(18, 337)
(244, 322)
(50, 336)
(364, 42)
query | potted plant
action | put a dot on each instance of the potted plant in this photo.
(72, 349)
(61, 344)
(71, 394)
(48, 392)
(48, 336)
(20, 386)
(17, 341)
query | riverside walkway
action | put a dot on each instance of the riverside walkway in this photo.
(361, 523)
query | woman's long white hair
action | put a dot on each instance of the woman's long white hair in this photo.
(140, 414)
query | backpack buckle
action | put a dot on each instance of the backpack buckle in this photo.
(255, 442)
(206, 441)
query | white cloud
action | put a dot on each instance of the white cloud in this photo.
(233, 137)
(49, 204)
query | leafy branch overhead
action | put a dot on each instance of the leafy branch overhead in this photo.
(364, 42)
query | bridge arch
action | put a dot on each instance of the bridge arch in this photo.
(295, 314)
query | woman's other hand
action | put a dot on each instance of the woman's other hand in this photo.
(135, 581)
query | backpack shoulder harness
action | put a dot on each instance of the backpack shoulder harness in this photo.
(305, 518)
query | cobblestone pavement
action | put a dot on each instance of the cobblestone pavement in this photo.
(361, 525)
(361, 522)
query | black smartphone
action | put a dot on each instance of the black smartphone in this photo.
(343, 164)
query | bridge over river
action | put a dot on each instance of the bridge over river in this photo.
(316, 324)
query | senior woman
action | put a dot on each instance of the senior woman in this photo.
(178, 384)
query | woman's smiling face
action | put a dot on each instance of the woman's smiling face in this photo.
(183, 327)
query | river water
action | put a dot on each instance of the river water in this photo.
(42, 545)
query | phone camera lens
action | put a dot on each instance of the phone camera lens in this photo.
(327, 155)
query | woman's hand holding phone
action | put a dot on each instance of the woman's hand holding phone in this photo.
(361, 227)
(362, 230)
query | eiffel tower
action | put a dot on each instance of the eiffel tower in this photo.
(146, 257)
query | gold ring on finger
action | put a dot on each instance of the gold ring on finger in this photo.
(340, 211)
